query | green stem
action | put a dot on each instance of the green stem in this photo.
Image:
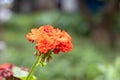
(33, 68)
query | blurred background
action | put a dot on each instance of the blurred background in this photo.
(94, 26)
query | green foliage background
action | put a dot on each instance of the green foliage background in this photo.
(86, 61)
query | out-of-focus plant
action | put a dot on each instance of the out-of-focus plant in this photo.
(104, 71)
(66, 21)
(11, 72)
(71, 22)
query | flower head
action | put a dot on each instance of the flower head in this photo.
(48, 38)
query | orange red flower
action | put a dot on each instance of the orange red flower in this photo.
(48, 38)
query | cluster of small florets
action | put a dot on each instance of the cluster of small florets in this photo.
(48, 38)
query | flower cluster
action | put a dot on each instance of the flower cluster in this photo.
(48, 38)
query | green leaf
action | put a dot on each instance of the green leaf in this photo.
(19, 73)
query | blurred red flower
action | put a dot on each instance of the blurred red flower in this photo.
(47, 38)
(6, 70)
(5, 65)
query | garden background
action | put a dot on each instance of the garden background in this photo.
(94, 26)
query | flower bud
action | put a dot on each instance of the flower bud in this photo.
(49, 59)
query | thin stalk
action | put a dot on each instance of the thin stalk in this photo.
(33, 68)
